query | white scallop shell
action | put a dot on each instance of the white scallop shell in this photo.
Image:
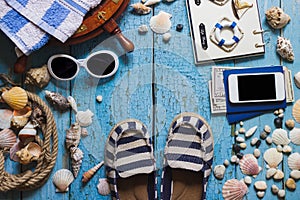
(295, 136)
(294, 161)
(280, 136)
(234, 189)
(7, 138)
(249, 165)
(103, 187)
(273, 157)
(276, 18)
(62, 179)
(285, 49)
(161, 23)
(84, 118)
(296, 111)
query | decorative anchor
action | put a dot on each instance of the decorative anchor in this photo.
(101, 15)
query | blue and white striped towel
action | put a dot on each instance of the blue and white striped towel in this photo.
(26, 36)
(59, 18)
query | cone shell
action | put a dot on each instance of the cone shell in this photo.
(280, 137)
(21, 117)
(249, 165)
(103, 187)
(161, 23)
(57, 100)
(85, 118)
(76, 157)
(27, 134)
(273, 157)
(5, 117)
(140, 8)
(73, 135)
(16, 98)
(91, 172)
(285, 49)
(294, 161)
(30, 153)
(234, 189)
(62, 179)
(295, 136)
(296, 111)
(276, 18)
(7, 138)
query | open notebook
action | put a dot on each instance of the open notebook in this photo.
(225, 29)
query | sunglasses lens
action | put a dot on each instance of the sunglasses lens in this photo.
(101, 64)
(64, 68)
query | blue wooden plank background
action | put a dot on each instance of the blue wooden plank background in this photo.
(153, 84)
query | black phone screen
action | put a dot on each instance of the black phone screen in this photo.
(256, 87)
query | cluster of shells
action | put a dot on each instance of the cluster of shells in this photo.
(22, 117)
(248, 163)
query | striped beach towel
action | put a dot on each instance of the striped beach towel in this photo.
(26, 36)
(59, 18)
(189, 147)
(129, 152)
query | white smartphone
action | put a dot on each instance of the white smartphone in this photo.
(256, 87)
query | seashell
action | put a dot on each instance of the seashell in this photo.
(297, 79)
(234, 189)
(39, 77)
(167, 37)
(285, 49)
(5, 118)
(84, 132)
(248, 180)
(279, 136)
(141, 9)
(76, 159)
(151, 2)
(295, 136)
(143, 29)
(103, 187)
(84, 118)
(38, 116)
(249, 165)
(274, 189)
(7, 138)
(240, 7)
(30, 153)
(72, 103)
(62, 179)
(73, 135)
(276, 18)
(57, 100)
(219, 171)
(161, 23)
(295, 174)
(15, 148)
(290, 123)
(281, 193)
(296, 111)
(273, 157)
(21, 117)
(251, 131)
(16, 98)
(290, 184)
(271, 172)
(260, 194)
(27, 134)
(278, 175)
(287, 149)
(294, 161)
(91, 172)
(260, 185)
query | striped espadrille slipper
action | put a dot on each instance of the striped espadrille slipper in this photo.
(188, 158)
(130, 162)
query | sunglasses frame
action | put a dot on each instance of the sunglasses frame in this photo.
(83, 63)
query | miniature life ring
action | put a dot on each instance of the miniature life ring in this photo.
(230, 25)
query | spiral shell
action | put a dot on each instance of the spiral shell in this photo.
(273, 157)
(62, 179)
(91, 172)
(234, 189)
(103, 187)
(296, 111)
(27, 134)
(39, 77)
(294, 161)
(140, 8)
(276, 18)
(161, 22)
(76, 157)
(57, 100)
(73, 135)
(30, 153)
(249, 165)
(295, 136)
(21, 117)
(7, 138)
(280, 137)
(16, 98)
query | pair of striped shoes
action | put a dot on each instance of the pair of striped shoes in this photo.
(130, 162)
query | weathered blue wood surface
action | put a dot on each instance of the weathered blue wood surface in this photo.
(153, 84)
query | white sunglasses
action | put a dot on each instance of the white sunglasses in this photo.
(101, 64)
